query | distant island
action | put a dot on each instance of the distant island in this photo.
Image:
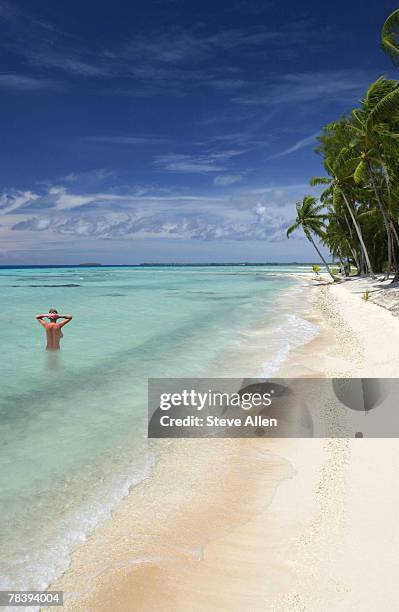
(89, 265)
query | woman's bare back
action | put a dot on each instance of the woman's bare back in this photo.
(54, 335)
(53, 329)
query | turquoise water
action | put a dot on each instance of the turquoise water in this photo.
(73, 424)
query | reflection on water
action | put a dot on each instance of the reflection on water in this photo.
(53, 360)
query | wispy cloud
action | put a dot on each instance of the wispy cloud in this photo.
(193, 164)
(8, 12)
(174, 162)
(254, 133)
(178, 46)
(174, 60)
(300, 144)
(226, 85)
(96, 176)
(251, 8)
(328, 86)
(60, 198)
(14, 15)
(224, 180)
(73, 64)
(21, 82)
(126, 140)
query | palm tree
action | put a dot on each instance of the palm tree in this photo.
(311, 220)
(337, 191)
(338, 240)
(340, 164)
(360, 220)
(390, 36)
(370, 139)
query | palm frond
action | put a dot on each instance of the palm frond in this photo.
(390, 36)
(378, 90)
(326, 193)
(384, 109)
(337, 198)
(319, 180)
(361, 175)
(292, 228)
(373, 212)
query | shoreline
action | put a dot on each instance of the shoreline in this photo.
(227, 449)
(238, 544)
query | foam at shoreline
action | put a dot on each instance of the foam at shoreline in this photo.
(295, 332)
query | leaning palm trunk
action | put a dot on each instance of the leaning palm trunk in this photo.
(354, 256)
(384, 216)
(350, 244)
(388, 186)
(394, 232)
(309, 236)
(391, 222)
(359, 234)
(396, 277)
(362, 269)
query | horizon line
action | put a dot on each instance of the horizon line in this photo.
(171, 263)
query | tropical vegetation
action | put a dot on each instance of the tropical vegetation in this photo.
(357, 214)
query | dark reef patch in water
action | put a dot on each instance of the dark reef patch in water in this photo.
(68, 285)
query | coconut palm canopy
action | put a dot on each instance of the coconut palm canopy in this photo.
(357, 217)
(390, 36)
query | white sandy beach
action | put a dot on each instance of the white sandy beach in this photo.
(276, 525)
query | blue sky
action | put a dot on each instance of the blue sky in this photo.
(171, 130)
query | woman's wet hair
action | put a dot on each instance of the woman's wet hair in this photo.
(53, 310)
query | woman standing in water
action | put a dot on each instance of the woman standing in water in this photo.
(53, 329)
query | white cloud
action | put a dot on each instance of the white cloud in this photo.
(258, 214)
(260, 210)
(16, 200)
(250, 224)
(63, 199)
(58, 219)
